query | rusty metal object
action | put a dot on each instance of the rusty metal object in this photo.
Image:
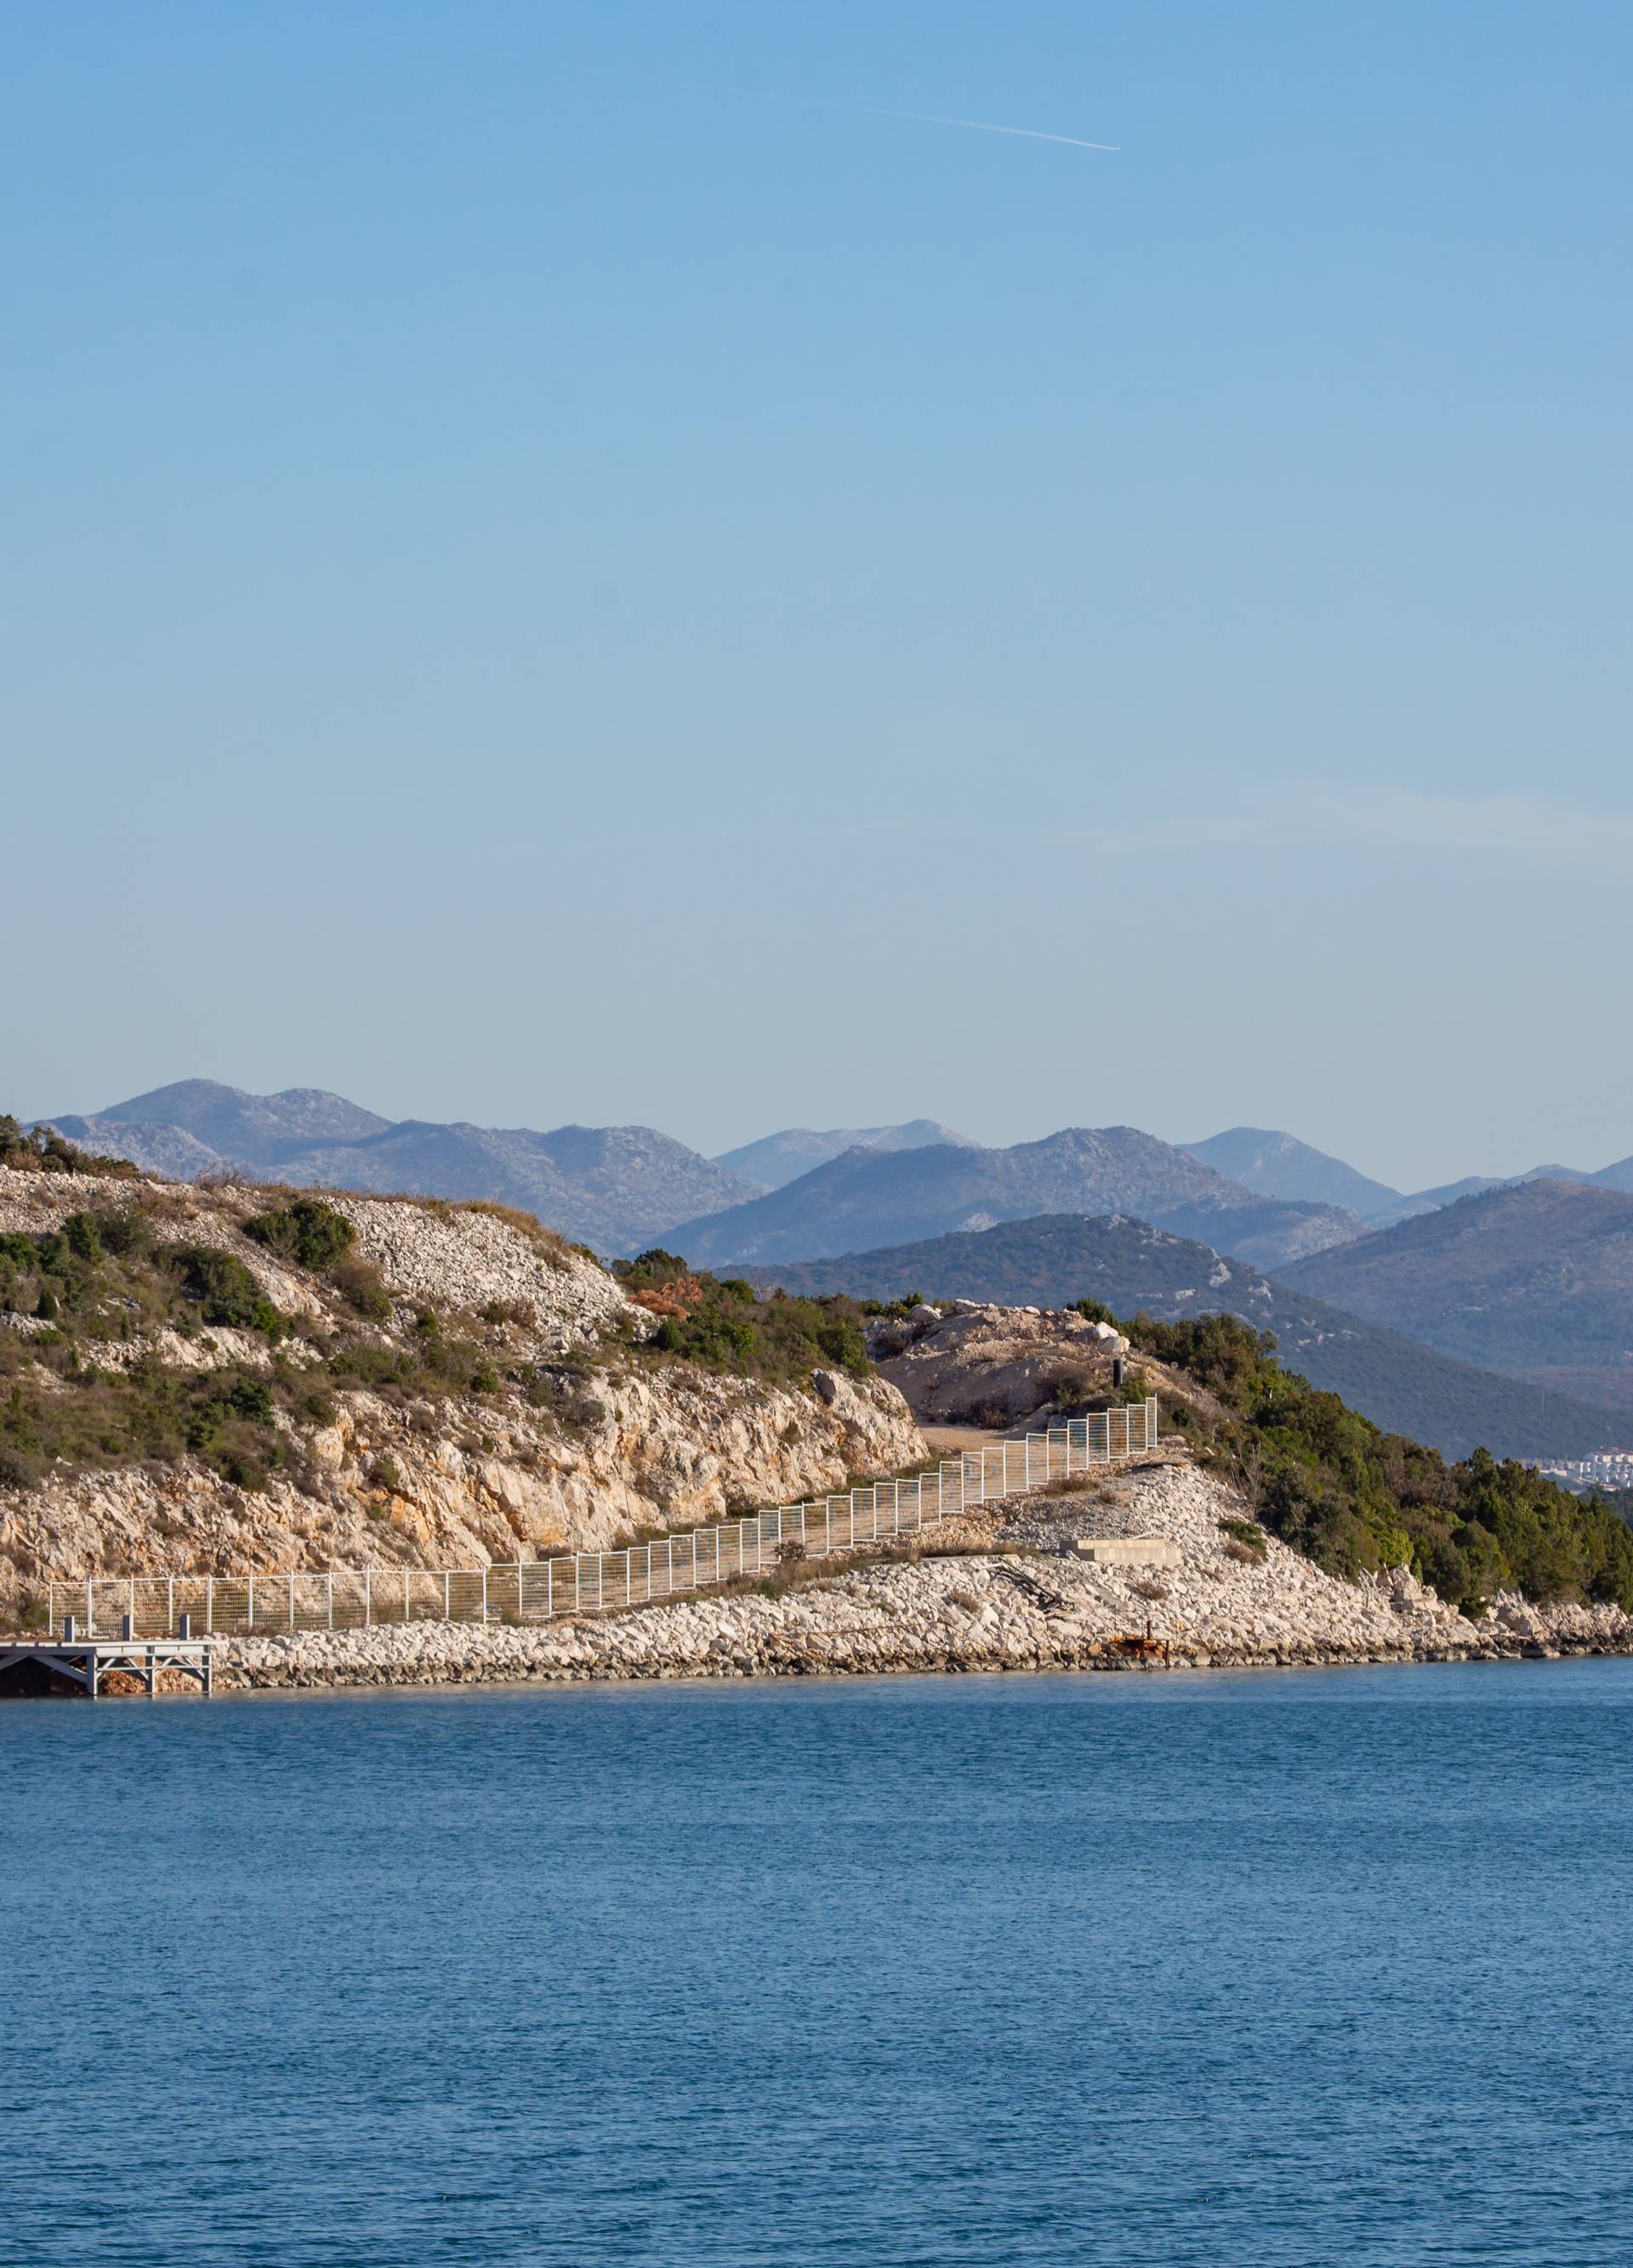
(1135, 1648)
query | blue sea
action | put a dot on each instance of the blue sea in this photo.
(1284, 1969)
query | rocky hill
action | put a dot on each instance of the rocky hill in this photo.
(614, 1187)
(1535, 1278)
(985, 1365)
(1406, 1387)
(870, 1197)
(231, 1377)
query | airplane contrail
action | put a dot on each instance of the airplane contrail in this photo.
(980, 126)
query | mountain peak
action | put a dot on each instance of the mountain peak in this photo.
(1275, 1164)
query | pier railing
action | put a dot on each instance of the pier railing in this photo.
(267, 1601)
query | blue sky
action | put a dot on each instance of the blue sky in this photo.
(562, 563)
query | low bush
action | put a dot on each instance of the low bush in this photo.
(361, 1286)
(223, 1290)
(721, 1326)
(1249, 1541)
(651, 1270)
(895, 1310)
(308, 1232)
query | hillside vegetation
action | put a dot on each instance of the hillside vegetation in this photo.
(1353, 1497)
(718, 1323)
(96, 1285)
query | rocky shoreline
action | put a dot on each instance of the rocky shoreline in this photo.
(1008, 1591)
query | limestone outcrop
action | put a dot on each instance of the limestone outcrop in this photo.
(602, 1443)
(972, 1364)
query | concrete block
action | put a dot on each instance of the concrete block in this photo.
(1128, 1550)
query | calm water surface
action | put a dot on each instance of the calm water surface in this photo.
(1296, 1968)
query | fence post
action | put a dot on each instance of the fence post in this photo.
(210, 1603)
(90, 1610)
(331, 1598)
(291, 1599)
(368, 1597)
(249, 1602)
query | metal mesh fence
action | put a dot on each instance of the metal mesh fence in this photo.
(353, 1598)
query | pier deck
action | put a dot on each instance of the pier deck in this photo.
(85, 1661)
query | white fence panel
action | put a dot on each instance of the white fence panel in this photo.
(353, 1598)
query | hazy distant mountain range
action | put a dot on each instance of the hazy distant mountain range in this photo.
(612, 1187)
(868, 1198)
(1050, 1262)
(778, 1158)
(1531, 1276)
(619, 1188)
(1281, 1166)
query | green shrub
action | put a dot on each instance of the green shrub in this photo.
(223, 1290)
(780, 1341)
(125, 1235)
(649, 1268)
(307, 1232)
(81, 1235)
